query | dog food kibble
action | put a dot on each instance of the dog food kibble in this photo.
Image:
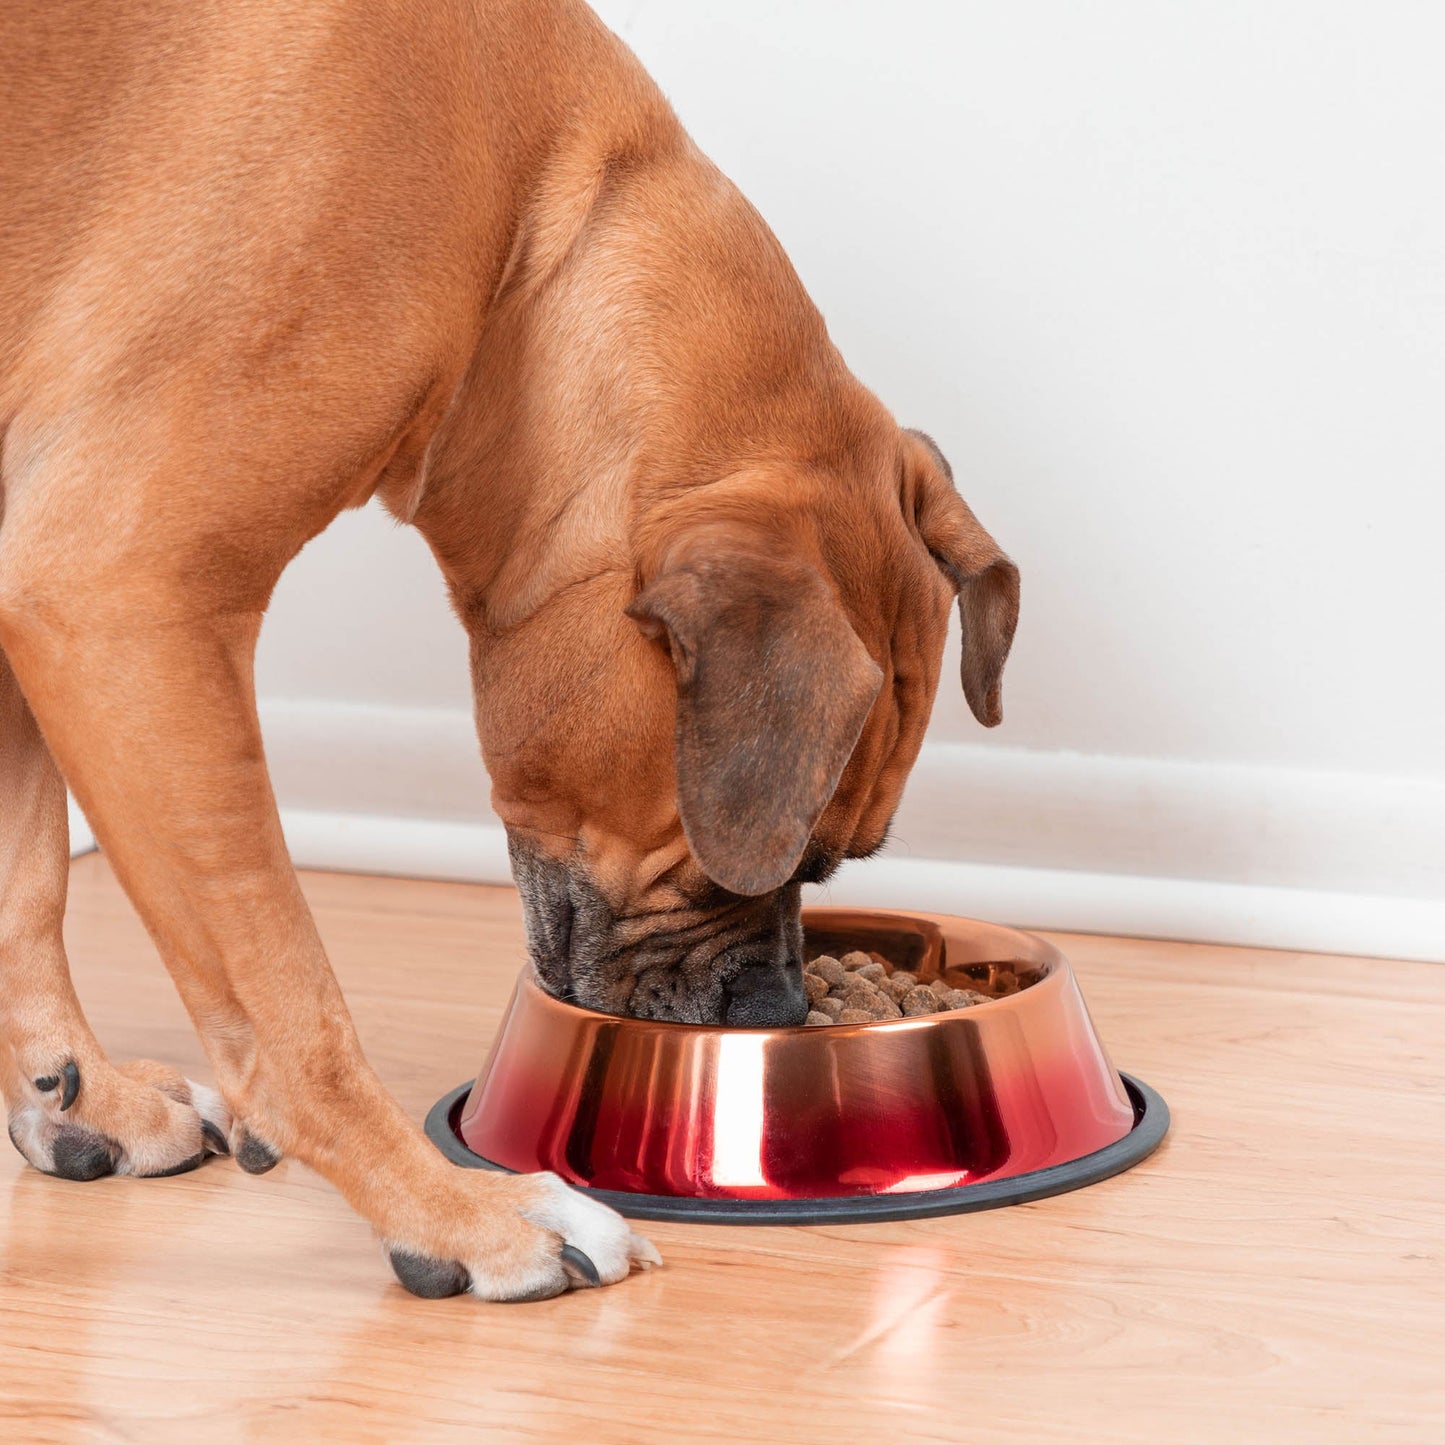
(963, 998)
(858, 989)
(919, 1001)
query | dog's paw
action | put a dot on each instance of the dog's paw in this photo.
(84, 1121)
(550, 1240)
(600, 1246)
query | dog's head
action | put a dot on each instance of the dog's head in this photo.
(678, 744)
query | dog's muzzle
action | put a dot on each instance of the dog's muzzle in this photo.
(740, 963)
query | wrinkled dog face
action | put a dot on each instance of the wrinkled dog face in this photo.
(674, 759)
(718, 958)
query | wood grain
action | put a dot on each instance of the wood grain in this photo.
(1274, 1273)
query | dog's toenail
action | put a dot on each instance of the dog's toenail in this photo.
(46, 1082)
(580, 1270)
(255, 1157)
(72, 1084)
(81, 1154)
(430, 1278)
(216, 1141)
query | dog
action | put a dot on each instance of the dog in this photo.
(260, 263)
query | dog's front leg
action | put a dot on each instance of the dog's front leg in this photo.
(142, 686)
(139, 1118)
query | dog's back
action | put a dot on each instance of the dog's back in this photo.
(183, 174)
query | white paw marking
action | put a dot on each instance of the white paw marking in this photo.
(602, 1234)
(208, 1103)
(28, 1128)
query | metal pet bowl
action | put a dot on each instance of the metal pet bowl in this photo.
(1008, 1101)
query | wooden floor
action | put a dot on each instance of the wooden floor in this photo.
(1275, 1273)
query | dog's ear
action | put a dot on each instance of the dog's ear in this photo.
(987, 582)
(773, 689)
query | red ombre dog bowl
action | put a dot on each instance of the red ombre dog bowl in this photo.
(1007, 1101)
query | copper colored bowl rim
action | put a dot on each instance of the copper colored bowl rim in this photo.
(1032, 949)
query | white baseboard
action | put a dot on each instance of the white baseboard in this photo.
(1194, 910)
(1200, 912)
(397, 847)
(82, 840)
(1328, 862)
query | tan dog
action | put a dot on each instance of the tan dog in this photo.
(261, 262)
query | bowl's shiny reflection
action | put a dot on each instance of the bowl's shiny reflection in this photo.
(915, 1104)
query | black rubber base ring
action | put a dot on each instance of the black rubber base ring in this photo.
(1151, 1123)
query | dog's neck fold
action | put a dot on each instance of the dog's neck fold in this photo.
(647, 338)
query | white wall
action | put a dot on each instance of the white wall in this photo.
(1167, 283)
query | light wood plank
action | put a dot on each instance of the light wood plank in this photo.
(1274, 1273)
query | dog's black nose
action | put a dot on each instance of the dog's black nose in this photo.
(766, 995)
